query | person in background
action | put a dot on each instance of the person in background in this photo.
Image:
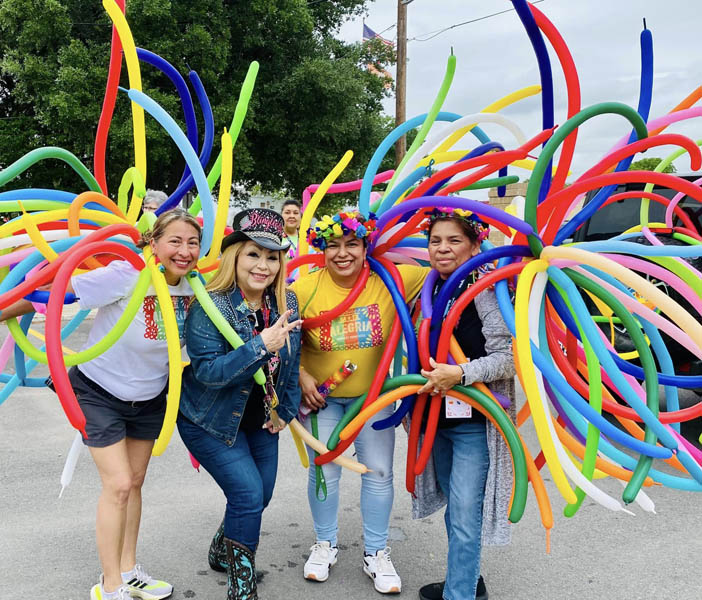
(471, 461)
(228, 421)
(122, 393)
(359, 335)
(152, 200)
(292, 216)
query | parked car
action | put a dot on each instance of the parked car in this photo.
(614, 219)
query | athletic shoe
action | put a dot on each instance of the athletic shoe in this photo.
(98, 593)
(141, 585)
(380, 569)
(322, 558)
(435, 591)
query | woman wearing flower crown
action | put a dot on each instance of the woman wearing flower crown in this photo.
(358, 335)
(471, 461)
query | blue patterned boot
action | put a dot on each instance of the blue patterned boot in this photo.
(241, 572)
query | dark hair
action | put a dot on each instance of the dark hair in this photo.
(466, 227)
(291, 201)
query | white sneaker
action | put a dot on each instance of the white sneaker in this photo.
(322, 558)
(141, 585)
(381, 570)
(98, 592)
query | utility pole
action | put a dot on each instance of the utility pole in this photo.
(401, 79)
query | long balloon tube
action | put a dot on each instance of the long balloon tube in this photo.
(404, 185)
(167, 122)
(13, 382)
(444, 295)
(57, 366)
(383, 270)
(12, 290)
(573, 88)
(106, 342)
(686, 103)
(389, 141)
(345, 186)
(354, 293)
(432, 143)
(645, 95)
(660, 167)
(186, 100)
(130, 57)
(479, 151)
(547, 118)
(567, 194)
(222, 202)
(543, 164)
(494, 107)
(556, 379)
(319, 447)
(208, 117)
(240, 111)
(673, 206)
(49, 152)
(429, 121)
(175, 369)
(560, 210)
(108, 106)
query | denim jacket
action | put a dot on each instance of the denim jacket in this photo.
(219, 379)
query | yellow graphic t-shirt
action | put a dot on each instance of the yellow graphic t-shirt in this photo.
(358, 334)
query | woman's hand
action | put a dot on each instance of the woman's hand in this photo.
(275, 336)
(273, 428)
(441, 378)
(310, 395)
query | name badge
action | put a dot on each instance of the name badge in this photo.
(457, 409)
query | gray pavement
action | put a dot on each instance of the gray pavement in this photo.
(47, 547)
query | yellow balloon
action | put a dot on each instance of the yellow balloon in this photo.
(130, 57)
(531, 388)
(312, 205)
(320, 448)
(225, 186)
(174, 356)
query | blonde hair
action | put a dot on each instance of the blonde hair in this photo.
(225, 277)
(164, 220)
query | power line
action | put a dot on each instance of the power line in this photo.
(437, 32)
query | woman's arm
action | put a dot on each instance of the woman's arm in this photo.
(499, 361)
(213, 361)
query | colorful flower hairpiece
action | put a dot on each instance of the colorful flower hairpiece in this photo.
(482, 230)
(340, 225)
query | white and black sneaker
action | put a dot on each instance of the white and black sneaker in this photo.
(141, 585)
(380, 569)
(322, 558)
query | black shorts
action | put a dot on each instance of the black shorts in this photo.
(109, 419)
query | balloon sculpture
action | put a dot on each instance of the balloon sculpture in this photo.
(569, 370)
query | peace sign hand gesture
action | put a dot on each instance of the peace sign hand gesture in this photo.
(275, 336)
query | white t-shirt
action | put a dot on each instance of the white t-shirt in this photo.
(135, 368)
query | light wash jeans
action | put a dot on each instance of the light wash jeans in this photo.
(374, 449)
(461, 461)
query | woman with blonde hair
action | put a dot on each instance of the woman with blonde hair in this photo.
(229, 422)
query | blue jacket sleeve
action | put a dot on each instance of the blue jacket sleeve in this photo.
(213, 361)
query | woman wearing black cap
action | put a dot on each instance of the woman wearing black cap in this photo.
(227, 420)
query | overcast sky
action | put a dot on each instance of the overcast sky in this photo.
(494, 58)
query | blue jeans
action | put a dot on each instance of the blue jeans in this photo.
(461, 461)
(245, 471)
(374, 449)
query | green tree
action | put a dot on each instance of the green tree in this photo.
(314, 98)
(649, 164)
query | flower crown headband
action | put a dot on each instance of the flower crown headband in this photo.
(482, 230)
(340, 225)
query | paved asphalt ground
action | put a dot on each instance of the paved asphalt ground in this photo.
(47, 548)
